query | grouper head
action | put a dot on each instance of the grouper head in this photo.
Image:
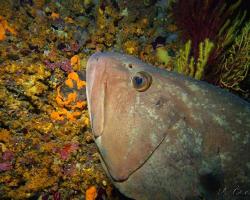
(124, 104)
(160, 133)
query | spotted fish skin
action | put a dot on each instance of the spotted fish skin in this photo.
(179, 139)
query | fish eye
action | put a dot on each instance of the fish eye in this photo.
(141, 81)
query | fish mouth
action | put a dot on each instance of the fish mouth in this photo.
(96, 78)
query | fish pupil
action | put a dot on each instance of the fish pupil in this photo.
(138, 80)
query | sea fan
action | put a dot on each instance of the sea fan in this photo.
(201, 19)
(236, 63)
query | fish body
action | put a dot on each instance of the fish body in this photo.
(162, 135)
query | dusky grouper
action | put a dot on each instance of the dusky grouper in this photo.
(162, 135)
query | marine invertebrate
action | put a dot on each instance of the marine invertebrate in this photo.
(70, 99)
(162, 55)
(91, 193)
(199, 20)
(5, 166)
(63, 65)
(204, 52)
(131, 47)
(230, 29)
(5, 136)
(236, 61)
(6, 155)
(67, 149)
(39, 3)
(75, 62)
(72, 47)
(37, 179)
(35, 151)
(5, 27)
(209, 19)
(186, 63)
(54, 16)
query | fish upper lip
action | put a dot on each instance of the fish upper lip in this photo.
(96, 80)
(90, 70)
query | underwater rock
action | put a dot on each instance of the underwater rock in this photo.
(165, 135)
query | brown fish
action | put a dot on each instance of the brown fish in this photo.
(162, 135)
